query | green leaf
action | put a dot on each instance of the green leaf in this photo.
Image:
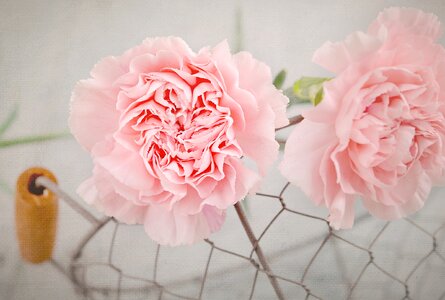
(318, 97)
(279, 79)
(9, 120)
(310, 89)
(33, 139)
(293, 99)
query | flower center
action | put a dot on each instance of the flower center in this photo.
(394, 130)
(180, 125)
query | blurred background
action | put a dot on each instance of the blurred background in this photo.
(47, 46)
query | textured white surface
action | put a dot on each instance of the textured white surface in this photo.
(46, 46)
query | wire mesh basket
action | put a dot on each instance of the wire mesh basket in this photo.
(306, 258)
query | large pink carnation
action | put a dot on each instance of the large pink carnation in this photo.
(379, 132)
(167, 128)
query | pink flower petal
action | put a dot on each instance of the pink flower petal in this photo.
(170, 227)
(87, 126)
(302, 157)
(336, 57)
(167, 128)
(399, 21)
(379, 133)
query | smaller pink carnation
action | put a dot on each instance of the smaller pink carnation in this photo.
(167, 128)
(379, 133)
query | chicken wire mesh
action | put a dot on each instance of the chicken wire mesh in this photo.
(403, 259)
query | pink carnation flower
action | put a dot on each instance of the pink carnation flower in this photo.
(379, 132)
(167, 128)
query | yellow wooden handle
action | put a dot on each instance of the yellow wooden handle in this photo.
(36, 216)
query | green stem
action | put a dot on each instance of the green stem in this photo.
(9, 120)
(33, 139)
(239, 38)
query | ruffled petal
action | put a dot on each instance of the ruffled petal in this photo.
(170, 43)
(239, 181)
(341, 211)
(404, 199)
(107, 70)
(99, 192)
(338, 56)
(170, 227)
(93, 115)
(256, 77)
(398, 21)
(127, 168)
(303, 156)
(250, 140)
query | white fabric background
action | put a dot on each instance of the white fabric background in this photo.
(46, 46)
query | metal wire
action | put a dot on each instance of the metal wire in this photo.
(152, 285)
